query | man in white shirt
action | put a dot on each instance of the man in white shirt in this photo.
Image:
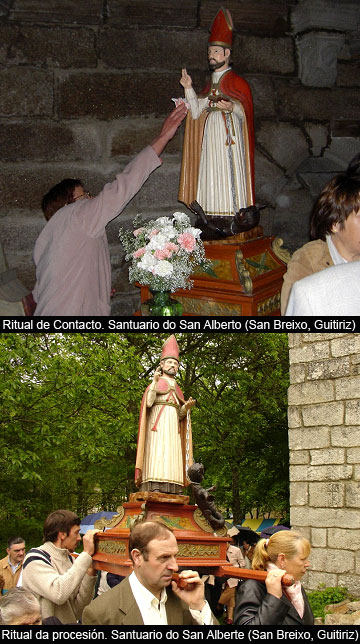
(149, 596)
(332, 291)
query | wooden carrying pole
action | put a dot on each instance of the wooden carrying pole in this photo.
(245, 573)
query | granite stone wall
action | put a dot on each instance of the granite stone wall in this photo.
(86, 84)
(324, 439)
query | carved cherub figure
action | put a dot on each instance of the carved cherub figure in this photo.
(203, 497)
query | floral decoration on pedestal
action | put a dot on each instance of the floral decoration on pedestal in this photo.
(164, 252)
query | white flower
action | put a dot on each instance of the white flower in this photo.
(157, 242)
(162, 221)
(147, 262)
(195, 232)
(163, 268)
(181, 218)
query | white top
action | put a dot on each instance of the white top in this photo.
(153, 611)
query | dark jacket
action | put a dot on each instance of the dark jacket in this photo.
(255, 607)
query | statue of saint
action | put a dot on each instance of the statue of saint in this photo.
(218, 154)
(164, 450)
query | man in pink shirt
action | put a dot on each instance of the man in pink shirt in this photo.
(71, 255)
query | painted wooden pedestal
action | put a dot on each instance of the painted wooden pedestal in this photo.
(199, 546)
(246, 278)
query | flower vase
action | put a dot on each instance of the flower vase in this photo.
(161, 304)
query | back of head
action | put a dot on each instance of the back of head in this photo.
(59, 196)
(337, 200)
(16, 604)
(59, 521)
(286, 542)
(143, 533)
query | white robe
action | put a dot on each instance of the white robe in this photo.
(222, 185)
(163, 459)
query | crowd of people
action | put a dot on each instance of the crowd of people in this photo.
(49, 585)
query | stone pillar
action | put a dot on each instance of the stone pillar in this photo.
(324, 441)
(321, 26)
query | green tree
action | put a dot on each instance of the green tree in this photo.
(70, 406)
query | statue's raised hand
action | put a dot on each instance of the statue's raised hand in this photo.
(185, 79)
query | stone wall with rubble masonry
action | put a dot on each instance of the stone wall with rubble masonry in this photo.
(324, 439)
(86, 84)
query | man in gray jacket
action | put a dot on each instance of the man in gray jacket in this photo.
(63, 585)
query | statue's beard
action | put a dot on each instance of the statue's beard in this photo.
(214, 65)
(170, 372)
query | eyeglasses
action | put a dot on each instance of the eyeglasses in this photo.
(86, 194)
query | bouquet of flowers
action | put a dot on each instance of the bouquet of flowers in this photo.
(164, 252)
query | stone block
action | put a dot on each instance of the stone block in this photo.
(129, 49)
(297, 373)
(299, 494)
(26, 92)
(352, 494)
(318, 134)
(318, 537)
(311, 392)
(320, 472)
(58, 11)
(352, 412)
(318, 580)
(324, 14)
(107, 95)
(297, 201)
(342, 620)
(305, 438)
(294, 417)
(5, 6)
(325, 517)
(48, 46)
(345, 436)
(348, 74)
(325, 369)
(309, 353)
(353, 455)
(19, 233)
(331, 413)
(283, 142)
(334, 456)
(322, 495)
(303, 103)
(347, 388)
(349, 539)
(51, 142)
(264, 96)
(263, 16)
(128, 136)
(332, 560)
(160, 13)
(300, 457)
(269, 179)
(264, 55)
(345, 346)
(351, 582)
(317, 54)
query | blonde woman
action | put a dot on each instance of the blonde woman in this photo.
(269, 603)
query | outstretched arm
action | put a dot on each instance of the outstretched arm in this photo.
(169, 128)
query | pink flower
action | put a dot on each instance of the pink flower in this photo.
(139, 253)
(172, 247)
(187, 241)
(153, 233)
(138, 231)
(160, 254)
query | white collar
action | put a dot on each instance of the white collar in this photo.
(139, 591)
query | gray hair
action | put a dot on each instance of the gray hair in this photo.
(16, 603)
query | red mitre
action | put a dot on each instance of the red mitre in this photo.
(170, 349)
(221, 29)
